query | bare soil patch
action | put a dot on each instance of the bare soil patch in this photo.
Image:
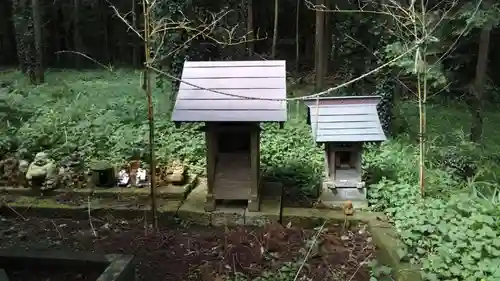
(186, 252)
(28, 274)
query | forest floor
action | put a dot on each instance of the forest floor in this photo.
(198, 253)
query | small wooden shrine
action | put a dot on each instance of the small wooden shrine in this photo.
(232, 129)
(343, 124)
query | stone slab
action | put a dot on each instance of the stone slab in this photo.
(228, 216)
(167, 206)
(167, 192)
(121, 268)
(387, 241)
(3, 275)
(313, 217)
(117, 267)
(269, 213)
(337, 197)
(193, 207)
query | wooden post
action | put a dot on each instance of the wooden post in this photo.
(333, 161)
(254, 201)
(359, 155)
(327, 161)
(211, 143)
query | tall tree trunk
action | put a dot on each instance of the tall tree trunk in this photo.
(476, 130)
(135, 48)
(319, 48)
(328, 38)
(20, 26)
(104, 18)
(37, 30)
(77, 40)
(23, 22)
(56, 35)
(275, 31)
(250, 33)
(10, 43)
(297, 37)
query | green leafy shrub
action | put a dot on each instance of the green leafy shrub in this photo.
(462, 157)
(290, 156)
(385, 161)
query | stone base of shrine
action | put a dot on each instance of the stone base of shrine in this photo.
(332, 197)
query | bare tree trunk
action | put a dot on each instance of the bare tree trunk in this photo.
(319, 48)
(104, 18)
(476, 130)
(19, 30)
(135, 48)
(147, 87)
(77, 41)
(6, 29)
(250, 33)
(57, 36)
(37, 30)
(23, 21)
(275, 32)
(328, 38)
(297, 38)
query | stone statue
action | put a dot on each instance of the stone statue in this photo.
(21, 173)
(42, 172)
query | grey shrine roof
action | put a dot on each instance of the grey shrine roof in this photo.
(345, 119)
(264, 79)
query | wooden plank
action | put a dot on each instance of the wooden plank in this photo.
(233, 104)
(254, 163)
(235, 83)
(344, 118)
(336, 106)
(211, 145)
(234, 72)
(345, 110)
(347, 125)
(347, 100)
(350, 138)
(229, 116)
(232, 189)
(254, 93)
(330, 132)
(189, 64)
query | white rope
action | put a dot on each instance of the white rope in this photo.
(317, 95)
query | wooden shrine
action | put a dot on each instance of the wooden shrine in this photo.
(343, 124)
(232, 129)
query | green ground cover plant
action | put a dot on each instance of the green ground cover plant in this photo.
(452, 232)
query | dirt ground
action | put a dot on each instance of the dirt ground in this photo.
(182, 252)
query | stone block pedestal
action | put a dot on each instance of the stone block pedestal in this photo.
(336, 197)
